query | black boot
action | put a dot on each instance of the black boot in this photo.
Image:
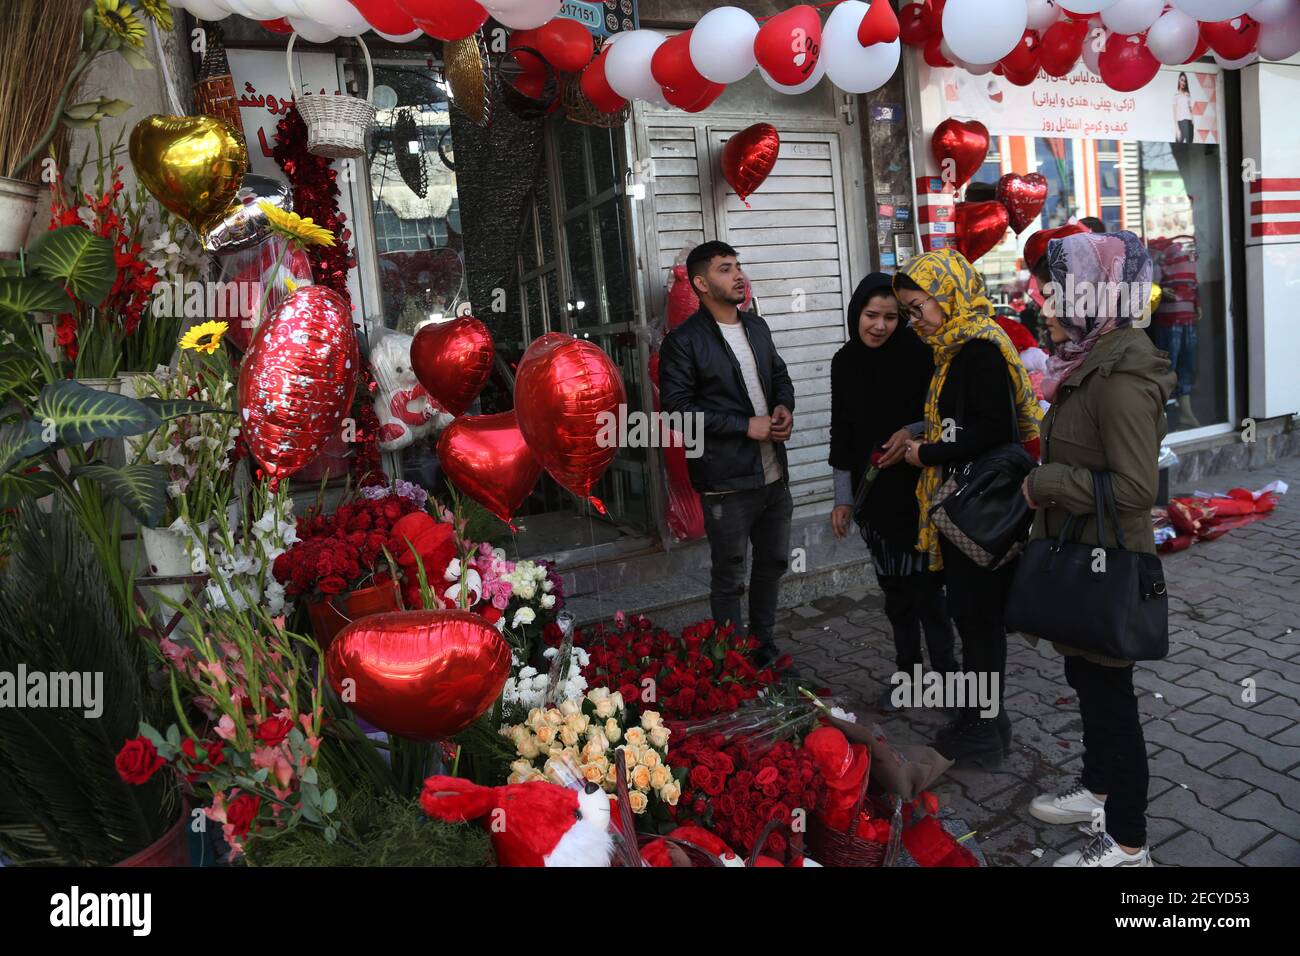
(978, 740)
(1003, 720)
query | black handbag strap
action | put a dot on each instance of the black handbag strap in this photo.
(1108, 494)
(1103, 501)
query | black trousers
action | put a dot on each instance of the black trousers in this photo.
(915, 603)
(733, 522)
(1114, 750)
(977, 600)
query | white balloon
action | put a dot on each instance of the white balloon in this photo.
(1280, 41)
(818, 72)
(523, 14)
(1245, 61)
(627, 66)
(1132, 16)
(1093, 46)
(401, 37)
(293, 8)
(981, 31)
(978, 69)
(1090, 6)
(1042, 14)
(722, 45)
(1274, 11)
(851, 66)
(1213, 11)
(340, 16)
(1173, 38)
(312, 31)
(207, 10)
(254, 9)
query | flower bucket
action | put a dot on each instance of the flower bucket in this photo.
(111, 385)
(17, 212)
(170, 849)
(327, 620)
(165, 551)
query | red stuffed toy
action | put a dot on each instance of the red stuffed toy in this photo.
(532, 824)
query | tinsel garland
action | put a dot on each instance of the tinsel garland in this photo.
(316, 196)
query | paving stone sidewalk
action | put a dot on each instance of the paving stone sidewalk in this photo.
(1225, 774)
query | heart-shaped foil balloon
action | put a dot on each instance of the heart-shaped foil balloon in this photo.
(1024, 197)
(422, 675)
(486, 457)
(960, 149)
(749, 157)
(298, 379)
(980, 227)
(244, 223)
(565, 391)
(193, 165)
(453, 360)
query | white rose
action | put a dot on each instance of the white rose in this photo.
(525, 615)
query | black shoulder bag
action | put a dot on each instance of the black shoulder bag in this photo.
(1107, 601)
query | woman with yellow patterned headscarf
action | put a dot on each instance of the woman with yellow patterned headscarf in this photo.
(979, 386)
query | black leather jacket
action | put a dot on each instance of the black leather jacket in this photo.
(698, 373)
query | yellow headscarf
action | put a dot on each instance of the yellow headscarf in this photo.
(959, 290)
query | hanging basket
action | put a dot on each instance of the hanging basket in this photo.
(336, 125)
(580, 109)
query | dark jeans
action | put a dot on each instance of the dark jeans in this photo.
(1114, 751)
(913, 603)
(976, 600)
(1186, 132)
(732, 522)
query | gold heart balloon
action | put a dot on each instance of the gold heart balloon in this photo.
(193, 165)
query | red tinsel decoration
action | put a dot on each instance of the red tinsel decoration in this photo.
(316, 196)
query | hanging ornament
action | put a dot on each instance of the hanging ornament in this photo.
(470, 73)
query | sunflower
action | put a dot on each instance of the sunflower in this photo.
(120, 20)
(158, 11)
(293, 227)
(205, 337)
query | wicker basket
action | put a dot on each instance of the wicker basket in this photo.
(336, 125)
(831, 847)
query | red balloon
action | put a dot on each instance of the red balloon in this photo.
(980, 227)
(913, 25)
(282, 25)
(1061, 47)
(880, 25)
(385, 16)
(298, 379)
(486, 457)
(563, 390)
(683, 85)
(694, 104)
(1025, 57)
(960, 147)
(453, 360)
(1126, 64)
(933, 55)
(934, 16)
(789, 44)
(1024, 197)
(1021, 78)
(749, 157)
(1202, 47)
(596, 87)
(445, 19)
(1232, 39)
(1036, 247)
(422, 675)
(566, 44)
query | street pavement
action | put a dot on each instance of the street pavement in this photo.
(1225, 773)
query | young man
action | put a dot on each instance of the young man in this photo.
(721, 363)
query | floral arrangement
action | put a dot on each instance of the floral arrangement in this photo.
(703, 672)
(580, 737)
(242, 557)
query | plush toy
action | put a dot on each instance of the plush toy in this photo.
(532, 824)
(406, 412)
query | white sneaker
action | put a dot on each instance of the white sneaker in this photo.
(1103, 851)
(1076, 805)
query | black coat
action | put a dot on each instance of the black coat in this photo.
(698, 373)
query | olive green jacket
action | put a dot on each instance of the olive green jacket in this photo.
(1108, 416)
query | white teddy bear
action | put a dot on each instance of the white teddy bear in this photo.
(405, 411)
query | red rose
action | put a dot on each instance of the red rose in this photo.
(767, 775)
(700, 777)
(333, 584)
(212, 754)
(138, 761)
(241, 812)
(274, 730)
(630, 694)
(699, 807)
(726, 805)
(771, 790)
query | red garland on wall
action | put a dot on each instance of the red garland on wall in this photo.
(316, 196)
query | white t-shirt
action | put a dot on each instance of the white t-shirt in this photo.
(1182, 107)
(740, 347)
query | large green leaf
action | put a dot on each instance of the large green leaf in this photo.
(142, 488)
(16, 488)
(18, 443)
(80, 258)
(80, 414)
(170, 408)
(18, 372)
(24, 295)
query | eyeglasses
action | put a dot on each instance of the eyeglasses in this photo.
(913, 312)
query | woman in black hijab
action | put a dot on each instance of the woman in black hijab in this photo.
(878, 387)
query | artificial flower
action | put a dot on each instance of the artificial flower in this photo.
(158, 11)
(120, 20)
(294, 227)
(205, 337)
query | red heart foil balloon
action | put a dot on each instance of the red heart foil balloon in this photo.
(421, 675)
(298, 379)
(595, 87)
(913, 26)
(486, 457)
(960, 149)
(1024, 197)
(453, 360)
(880, 25)
(788, 45)
(980, 227)
(1232, 39)
(749, 158)
(1126, 64)
(445, 19)
(564, 390)
(385, 16)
